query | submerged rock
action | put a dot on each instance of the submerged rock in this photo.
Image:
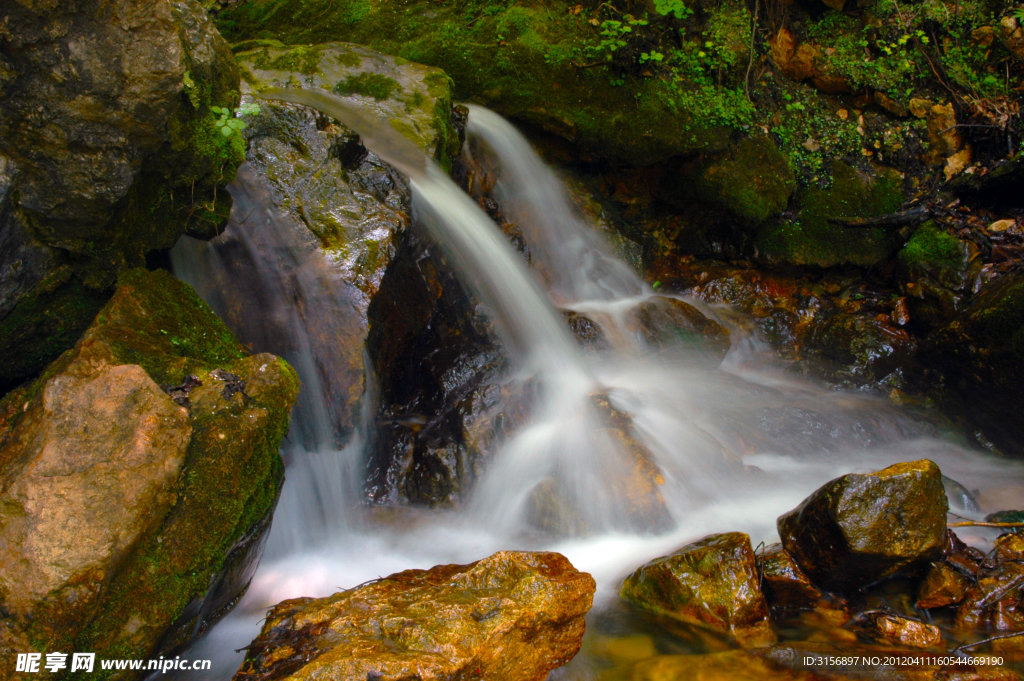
(861, 528)
(664, 322)
(514, 615)
(162, 508)
(711, 583)
(734, 665)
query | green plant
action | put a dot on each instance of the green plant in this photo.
(230, 125)
(676, 8)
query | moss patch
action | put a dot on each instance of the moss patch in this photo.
(811, 239)
(931, 247)
(369, 85)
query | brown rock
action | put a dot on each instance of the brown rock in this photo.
(919, 108)
(861, 528)
(996, 601)
(711, 583)
(889, 104)
(942, 585)
(514, 615)
(895, 630)
(733, 665)
(942, 131)
(90, 469)
(1010, 547)
(665, 321)
(784, 584)
(796, 63)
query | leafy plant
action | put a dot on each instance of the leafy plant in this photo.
(230, 125)
(676, 8)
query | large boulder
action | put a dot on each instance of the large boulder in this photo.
(109, 150)
(138, 476)
(711, 583)
(861, 528)
(514, 615)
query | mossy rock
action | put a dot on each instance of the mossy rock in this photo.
(197, 560)
(936, 253)
(811, 239)
(415, 99)
(520, 61)
(752, 181)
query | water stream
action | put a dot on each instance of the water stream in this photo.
(734, 443)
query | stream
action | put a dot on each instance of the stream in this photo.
(736, 442)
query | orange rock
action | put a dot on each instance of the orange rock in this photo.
(897, 630)
(514, 615)
(796, 63)
(995, 603)
(942, 131)
(785, 585)
(712, 583)
(942, 585)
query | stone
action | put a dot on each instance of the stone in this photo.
(514, 615)
(784, 584)
(138, 555)
(1002, 225)
(996, 602)
(943, 585)
(711, 583)
(943, 134)
(956, 163)
(919, 108)
(664, 322)
(115, 155)
(862, 528)
(895, 630)
(795, 62)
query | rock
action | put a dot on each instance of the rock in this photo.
(937, 272)
(811, 239)
(1002, 225)
(664, 322)
(785, 585)
(795, 62)
(992, 189)
(711, 583)
(752, 181)
(919, 108)
(942, 131)
(956, 163)
(996, 602)
(1007, 517)
(942, 585)
(895, 630)
(116, 155)
(733, 665)
(139, 554)
(514, 615)
(586, 330)
(861, 528)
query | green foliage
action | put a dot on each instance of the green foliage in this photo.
(676, 8)
(613, 36)
(227, 125)
(195, 97)
(374, 85)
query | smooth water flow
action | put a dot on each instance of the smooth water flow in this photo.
(630, 451)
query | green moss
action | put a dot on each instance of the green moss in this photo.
(159, 323)
(752, 180)
(1002, 324)
(368, 84)
(932, 247)
(302, 59)
(811, 239)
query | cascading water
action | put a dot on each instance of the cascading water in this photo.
(688, 417)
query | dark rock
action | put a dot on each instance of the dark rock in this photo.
(998, 188)
(711, 583)
(861, 528)
(785, 585)
(1007, 517)
(514, 615)
(586, 330)
(942, 585)
(665, 322)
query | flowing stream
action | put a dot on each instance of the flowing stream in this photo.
(734, 443)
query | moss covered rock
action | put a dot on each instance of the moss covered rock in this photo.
(136, 562)
(936, 270)
(711, 583)
(752, 181)
(861, 528)
(514, 615)
(524, 62)
(811, 239)
(106, 117)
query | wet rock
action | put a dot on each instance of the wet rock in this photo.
(861, 528)
(811, 239)
(110, 151)
(138, 556)
(979, 353)
(586, 331)
(784, 584)
(514, 615)
(995, 188)
(665, 322)
(1007, 517)
(1009, 547)
(942, 585)
(900, 631)
(937, 272)
(997, 601)
(711, 583)
(735, 665)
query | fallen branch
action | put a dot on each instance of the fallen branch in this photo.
(978, 523)
(912, 216)
(968, 646)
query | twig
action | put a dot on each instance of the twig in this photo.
(750, 62)
(978, 523)
(968, 646)
(912, 216)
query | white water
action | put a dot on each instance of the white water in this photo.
(698, 421)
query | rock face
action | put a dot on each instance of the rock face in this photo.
(861, 528)
(109, 151)
(514, 615)
(130, 512)
(712, 583)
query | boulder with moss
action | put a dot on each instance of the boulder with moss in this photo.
(110, 151)
(810, 239)
(159, 437)
(937, 271)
